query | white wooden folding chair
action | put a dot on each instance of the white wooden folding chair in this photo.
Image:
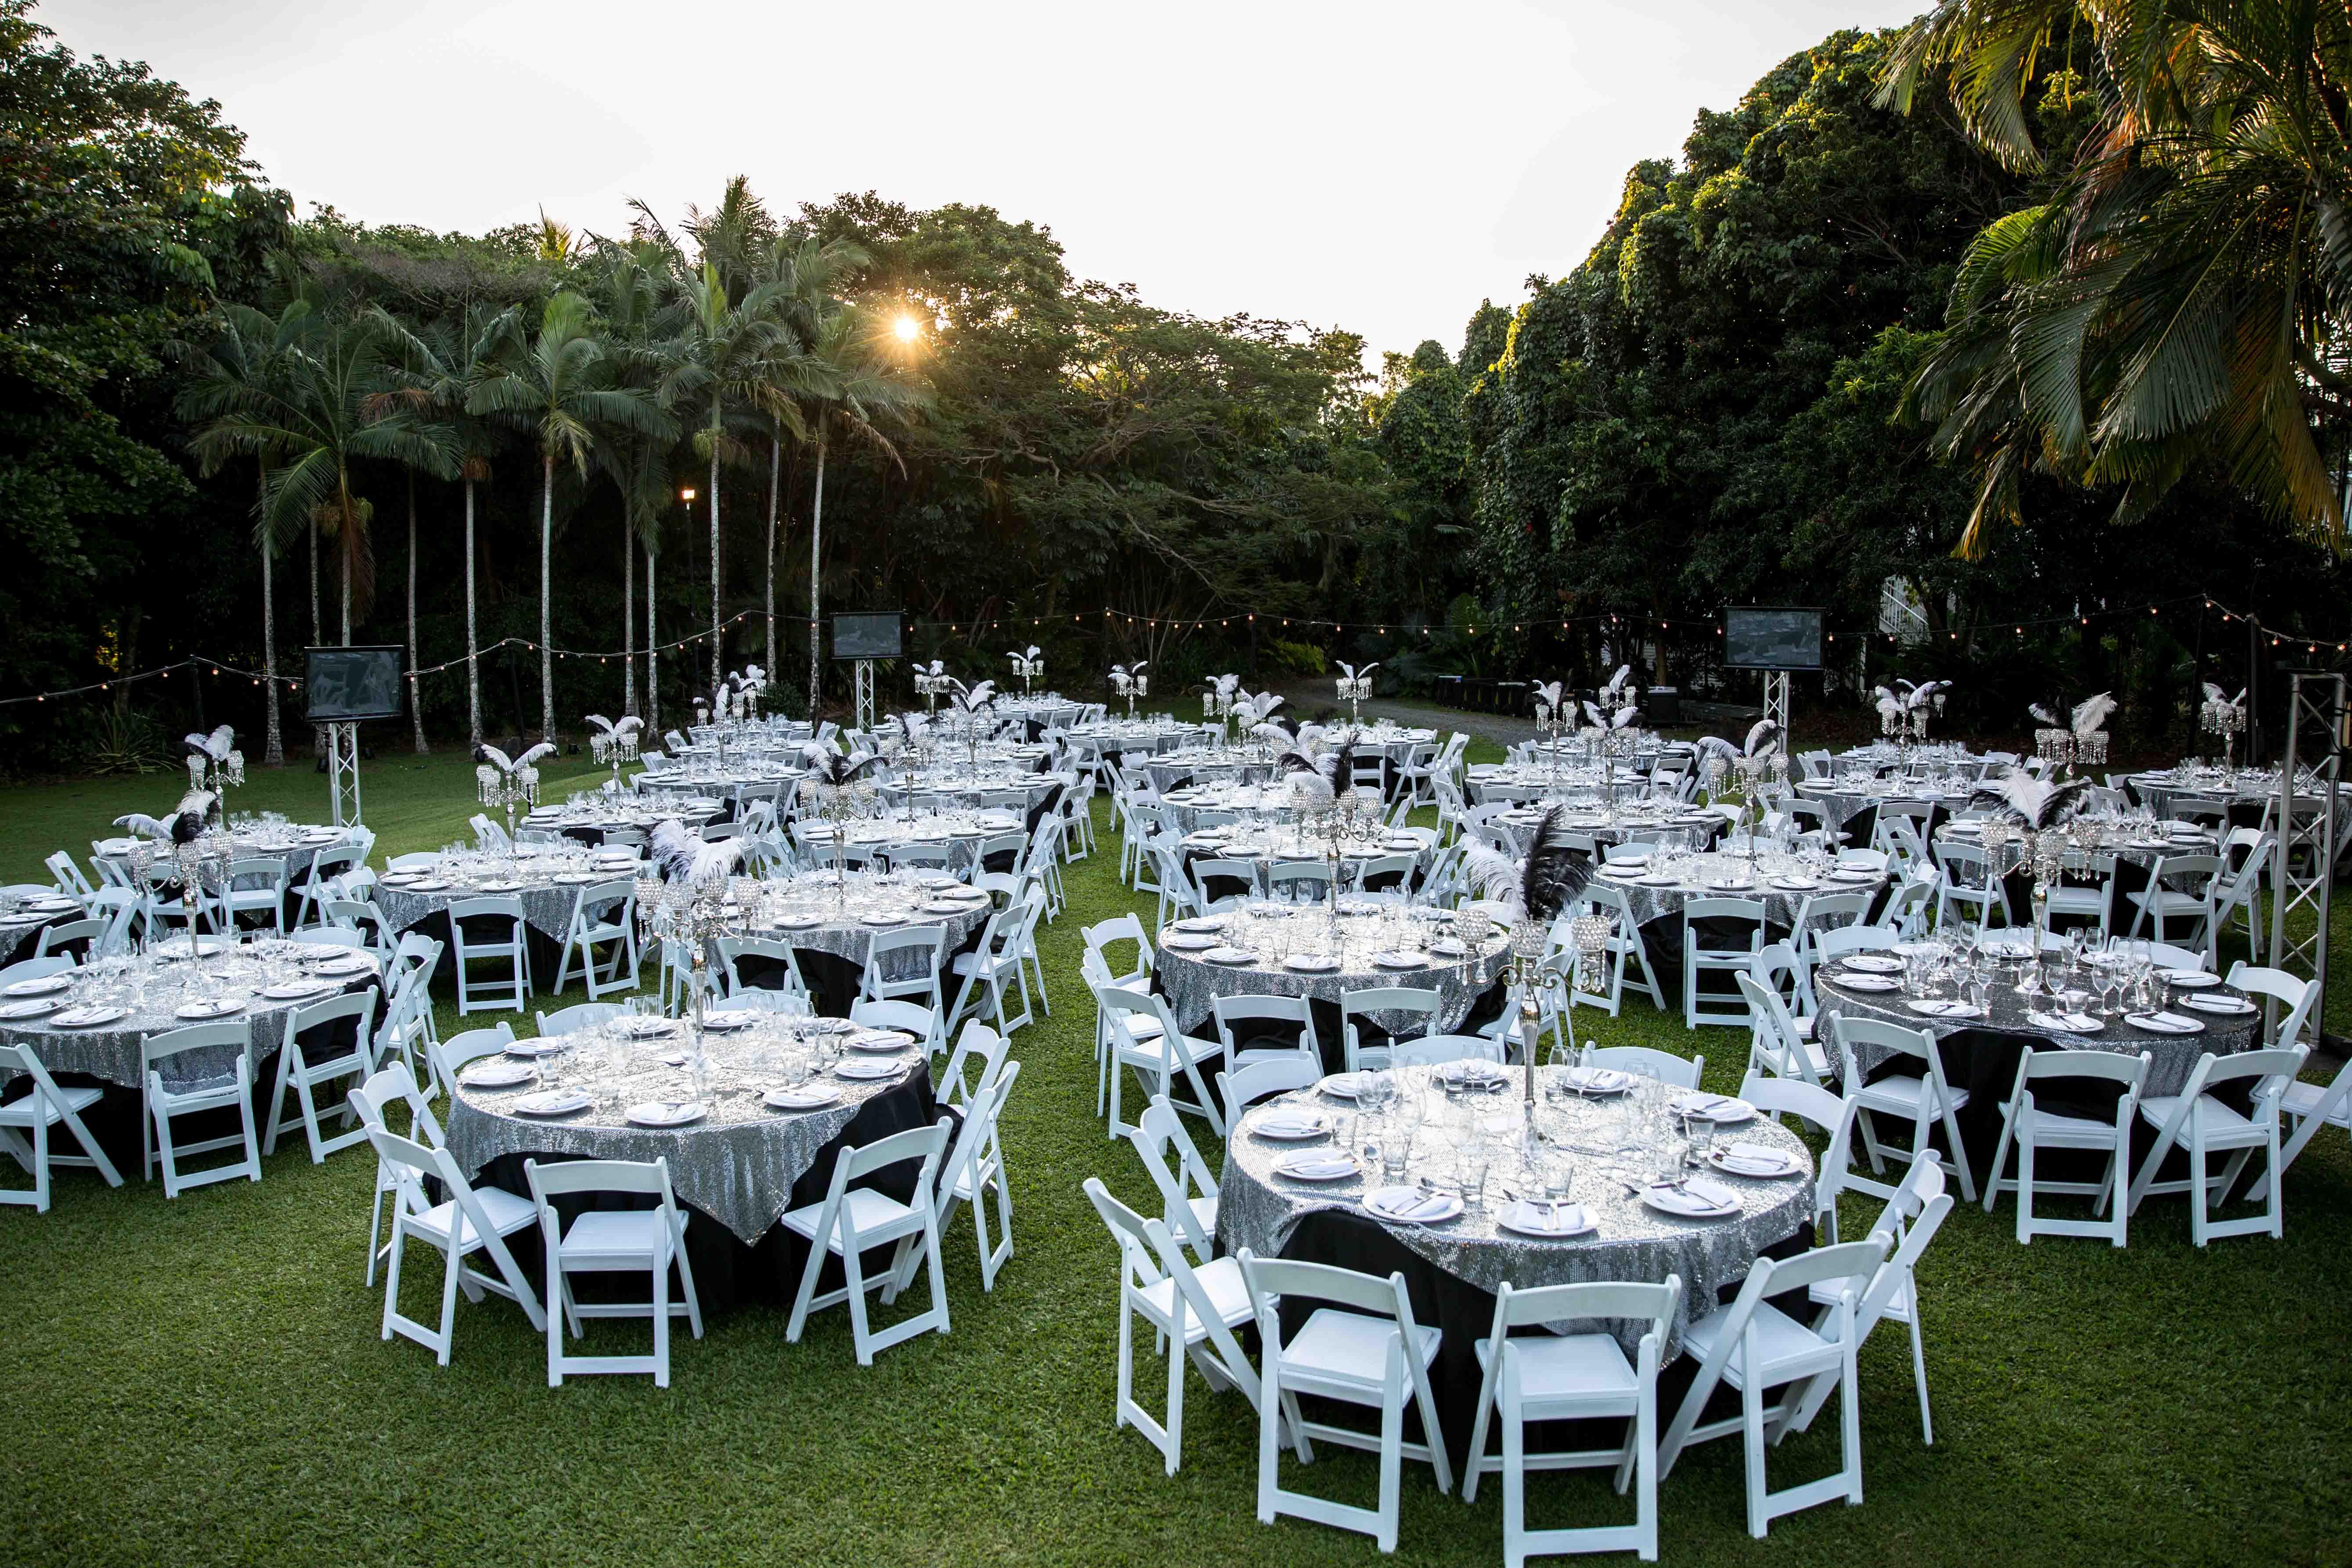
(1832, 1117)
(489, 931)
(1193, 1312)
(604, 914)
(1624, 951)
(1909, 1222)
(849, 1220)
(466, 1221)
(1243, 1087)
(904, 966)
(1156, 1056)
(2031, 1127)
(1754, 1346)
(1188, 1188)
(1701, 1006)
(1648, 1061)
(1364, 1348)
(578, 1016)
(1552, 1376)
(373, 1101)
(27, 1121)
(312, 1054)
(650, 1241)
(1923, 1099)
(2200, 1124)
(1357, 1009)
(171, 1089)
(973, 1173)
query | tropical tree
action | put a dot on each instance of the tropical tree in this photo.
(632, 286)
(2182, 296)
(229, 379)
(558, 385)
(451, 352)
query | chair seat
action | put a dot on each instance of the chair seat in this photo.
(1349, 1349)
(1155, 1052)
(2159, 1110)
(1905, 1094)
(1779, 1338)
(78, 1098)
(1144, 1029)
(2051, 1130)
(2304, 1099)
(617, 1236)
(1228, 1293)
(1568, 1368)
(506, 1211)
(1805, 1027)
(2165, 899)
(1898, 1305)
(1204, 1209)
(863, 1208)
(971, 963)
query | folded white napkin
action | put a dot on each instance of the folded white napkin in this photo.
(1290, 1124)
(1404, 1203)
(1753, 1159)
(1531, 1213)
(1705, 1104)
(1695, 1195)
(1600, 1080)
(1316, 1167)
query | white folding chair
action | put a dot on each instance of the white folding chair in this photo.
(1243, 1087)
(1357, 1007)
(1832, 1117)
(1156, 1057)
(578, 1016)
(1289, 1015)
(1923, 1099)
(612, 1241)
(1778, 1045)
(973, 1172)
(466, 1221)
(1552, 1376)
(2198, 1122)
(491, 931)
(1910, 1220)
(2025, 1123)
(1364, 1349)
(851, 1220)
(447, 1058)
(978, 1058)
(1754, 1346)
(177, 1088)
(995, 959)
(1625, 949)
(312, 1054)
(1193, 1312)
(603, 913)
(1188, 1188)
(2157, 907)
(26, 1122)
(374, 1099)
(1701, 1006)
(913, 952)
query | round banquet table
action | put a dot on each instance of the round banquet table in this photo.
(1452, 1269)
(150, 990)
(2136, 848)
(1851, 805)
(1491, 784)
(965, 788)
(1263, 847)
(1190, 982)
(831, 928)
(1697, 827)
(710, 789)
(296, 845)
(1980, 1054)
(20, 931)
(1783, 885)
(2247, 794)
(592, 820)
(1172, 769)
(1237, 799)
(546, 878)
(961, 831)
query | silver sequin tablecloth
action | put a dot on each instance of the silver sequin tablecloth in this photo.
(1780, 904)
(1259, 1210)
(737, 1164)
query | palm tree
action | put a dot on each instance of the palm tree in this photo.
(631, 290)
(848, 387)
(557, 386)
(446, 371)
(2183, 295)
(230, 375)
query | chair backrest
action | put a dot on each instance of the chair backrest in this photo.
(73, 938)
(1120, 928)
(926, 1145)
(161, 1048)
(2274, 1067)
(2128, 1072)
(1749, 911)
(33, 969)
(449, 1057)
(1361, 1004)
(495, 912)
(912, 939)
(1253, 1081)
(2294, 991)
(1274, 1281)
(977, 1048)
(1242, 871)
(1435, 1050)
(1842, 940)
(580, 1016)
(1548, 1304)
(1283, 1010)
(1918, 1042)
(790, 1003)
(644, 1179)
(1664, 1065)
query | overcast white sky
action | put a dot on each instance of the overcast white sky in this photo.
(1372, 166)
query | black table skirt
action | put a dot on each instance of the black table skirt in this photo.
(727, 1271)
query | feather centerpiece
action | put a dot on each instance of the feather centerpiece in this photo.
(1538, 885)
(2034, 802)
(2091, 714)
(685, 858)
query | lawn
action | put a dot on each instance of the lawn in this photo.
(201, 1381)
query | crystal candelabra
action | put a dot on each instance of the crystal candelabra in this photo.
(1028, 670)
(692, 913)
(2225, 719)
(1217, 706)
(2065, 749)
(615, 749)
(1353, 691)
(505, 791)
(1741, 781)
(1129, 686)
(931, 688)
(1615, 746)
(1548, 719)
(839, 805)
(198, 861)
(216, 777)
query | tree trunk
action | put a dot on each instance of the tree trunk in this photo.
(717, 650)
(473, 646)
(416, 703)
(546, 556)
(628, 619)
(344, 579)
(817, 558)
(653, 655)
(273, 747)
(775, 482)
(312, 530)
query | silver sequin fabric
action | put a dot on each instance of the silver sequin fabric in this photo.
(1190, 983)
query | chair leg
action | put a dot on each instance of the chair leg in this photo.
(1919, 1371)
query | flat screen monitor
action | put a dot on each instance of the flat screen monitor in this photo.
(1778, 637)
(866, 636)
(346, 684)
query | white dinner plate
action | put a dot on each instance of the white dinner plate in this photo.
(89, 1015)
(46, 986)
(798, 923)
(33, 1008)
(1873, 963)
(1342, 1085)
(1310, 963)
(539, 1046)
(428, 885)
(577, 878)
(1289, 1126)
(2165, 1024)
(1410, 1206)
(550, 1102)
(296, 990)
(355, 965)
(808, 1096)
(502, 885)
(869, 1068)
(498, 1073)
(1697, 1198)
(1597, 1080)
(2192, 979)
(1203, 922)
(1720, 1109)
(1942, 1007)
(2065, 1023)
(1875, 984)
(1450, 947)
(2227, 1006)
(1229, 955)
(202, 1007)
(647, 1028)
(665, 1113)
(881, 1040)
(1754, 1161)
(1187, 942)
(1400, 960)
(1315, 1167)
(726, 1023)
(1657, 881)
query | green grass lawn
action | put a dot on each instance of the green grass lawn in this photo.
(201, 1381)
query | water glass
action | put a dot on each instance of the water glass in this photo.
(1396, 1153)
